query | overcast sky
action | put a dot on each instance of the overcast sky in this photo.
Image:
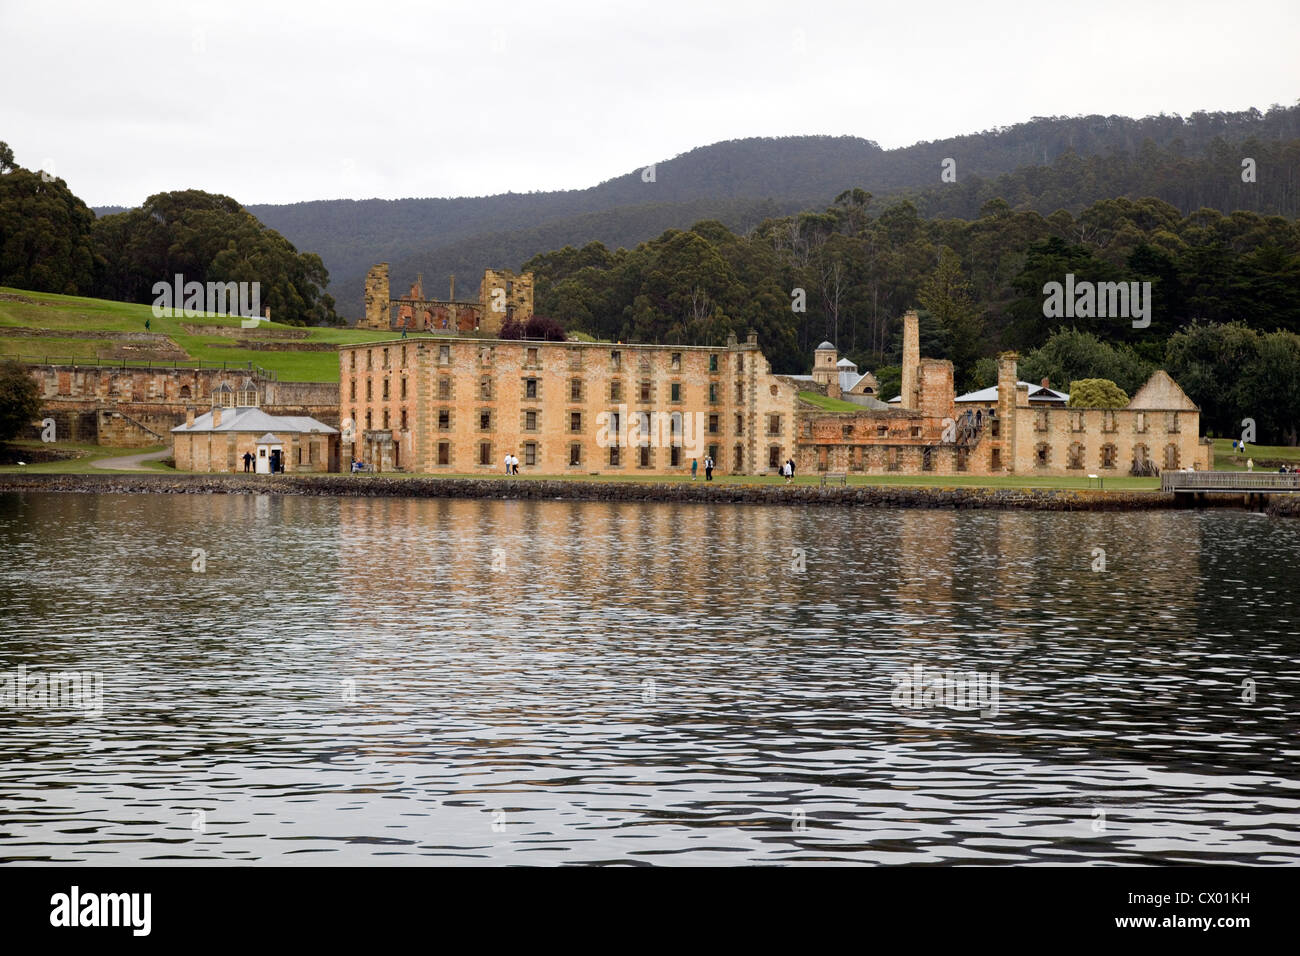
(281, 102)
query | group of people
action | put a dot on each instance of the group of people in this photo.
(787, 470)
(708, 468)
(512, 464)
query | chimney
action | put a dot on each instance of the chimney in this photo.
(752, 337)
(216, 416)
(189, 416)
(1045, 385)
(911, 358)
(452, 296)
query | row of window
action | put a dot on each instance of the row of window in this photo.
(532, 389)
(532, 358)
(532, 421)
(643, 456)
(1109, 422)
(1076, 454)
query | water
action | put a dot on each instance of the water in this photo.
(368, 681)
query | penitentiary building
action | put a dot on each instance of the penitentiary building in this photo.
(459, 405)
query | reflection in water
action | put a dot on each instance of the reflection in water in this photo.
(358, 680)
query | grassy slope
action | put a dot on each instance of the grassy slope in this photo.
(828, 404)
(1226, 460)
(82, 464)
(65, 313)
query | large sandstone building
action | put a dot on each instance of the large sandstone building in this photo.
(459, 405)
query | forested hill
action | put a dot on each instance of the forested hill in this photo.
(739, 182)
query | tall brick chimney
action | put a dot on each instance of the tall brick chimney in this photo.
(216, 416)
(911, 358)
(189, 416)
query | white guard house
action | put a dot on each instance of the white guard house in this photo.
(270, 454)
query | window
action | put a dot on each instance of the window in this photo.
(740, 364)
(1108, 455)
(615, 390)
(713, 394)
(575, 390)
(739, 459)
(963, 454)
(530, 453)
(530, 388)
(352, 391)
(530, 421)
(1077, 422)
(675, 455)
(615, 425)
(385, 358)
(774, 456)
(444, 419)
(1140, 425)
(713, 363)
(645, 391)
(444, 453)
(1042, 454)
(676, 361)
(484, 453)
(532, 357)
(1108, 423)
(575, 421)
(740, 393)
(354, 361)
(1171, 423)
(846, 431)
(1040, 420)
(882, 431)
(403, 419)
(713, 452)
(1074, 458)
(385, 419)
(1171, 457)
(575, 454)
(774, 424)
(675, 428)
(370, 359)
(927, 459)
(740, 424)
(615, 360)
(645, 456)
(915, 431)
(995, 460)
(444, 388)
(485, 355)
(485, 388)
(444, 354)
(369, 423)
(713, 424)
(403, 388)
(485, 420)
(677, 391)
(403, 356)
(995, 428)
(575, 358)
(613, 455)
(385, 389)
(370, 390)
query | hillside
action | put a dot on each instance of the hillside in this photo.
(1044, 164)
(43, 327)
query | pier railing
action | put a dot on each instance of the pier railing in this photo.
(1252, 482)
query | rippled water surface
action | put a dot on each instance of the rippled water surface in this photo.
(425, 681)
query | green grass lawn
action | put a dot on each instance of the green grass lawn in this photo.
(1226, 460)
(86, 316)
(829, 404)
(87, 454)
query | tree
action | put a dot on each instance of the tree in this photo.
(45, 232)
(1096, 393)
(946, 294)
(6, 157)
(20, 399)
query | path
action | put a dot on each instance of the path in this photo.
(131, 462)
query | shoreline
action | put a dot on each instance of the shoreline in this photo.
(878, 496)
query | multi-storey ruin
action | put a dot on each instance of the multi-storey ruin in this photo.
(502, 295)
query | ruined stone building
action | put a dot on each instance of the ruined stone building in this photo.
(502, 295)
(459, 405)
(133, 407)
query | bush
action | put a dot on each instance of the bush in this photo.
(1096, 393)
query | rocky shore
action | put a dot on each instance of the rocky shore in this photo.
(538, 489)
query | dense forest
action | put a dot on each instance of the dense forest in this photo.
(848, 273)
(50, 241)
(1052, 163)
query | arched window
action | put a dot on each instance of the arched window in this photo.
(1171, 457)
(1075, 456)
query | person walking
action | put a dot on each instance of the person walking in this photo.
(507, 463)
(248, 462)
(708, 468)
(786, 472)
(695, 463)
(514, 464)
(790, 462)
(1250, 464)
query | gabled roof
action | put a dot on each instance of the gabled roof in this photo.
(1161, 392)
(269, 439)
(250, 419)
(846, 363)
(1036, 393)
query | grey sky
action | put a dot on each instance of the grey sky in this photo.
(282, 102)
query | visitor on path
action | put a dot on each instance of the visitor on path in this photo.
(248, 462)
(790, 462)
(786, 472)
(1250, 464)
(507, 460)
(695, 464)
(514, 464)
(708, 469)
